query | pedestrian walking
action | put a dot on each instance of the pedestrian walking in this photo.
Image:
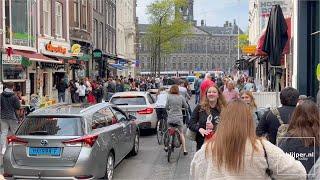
(207, 82)
(236, 152)
(230, 93)
(61, 87)
(197, 89)
(274, 118)
(72, 89)
(9, 121)
(82, 92)
(303, 136)
(119, 86)
(212, 104)
(314, 173)
(175, 104)
(248, 98)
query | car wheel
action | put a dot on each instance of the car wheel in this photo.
(135, 148)
(109, 167)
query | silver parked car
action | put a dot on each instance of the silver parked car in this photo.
(139, 104)
(71, 141)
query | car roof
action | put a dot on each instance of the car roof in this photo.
(69, 109)
(130, 93)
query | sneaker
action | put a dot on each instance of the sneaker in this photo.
(3, 151)
(166, 149)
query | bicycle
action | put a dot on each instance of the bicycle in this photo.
(161, 129)
(172, 139)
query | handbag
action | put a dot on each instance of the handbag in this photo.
(269, 172)
(191, 135)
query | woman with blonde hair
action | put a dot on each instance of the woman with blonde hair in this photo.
(237, 153)
(212, 104)
(248, 98)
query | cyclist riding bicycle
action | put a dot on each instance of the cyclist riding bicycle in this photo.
(174, 106)
(161, 105)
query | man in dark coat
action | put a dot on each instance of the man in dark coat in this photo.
(9, 104)
(269, 123)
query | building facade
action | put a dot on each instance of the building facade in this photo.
(126, 36)
(80, 22)
(34, 44)
(206, 49)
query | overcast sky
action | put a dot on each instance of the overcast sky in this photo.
(214, 12)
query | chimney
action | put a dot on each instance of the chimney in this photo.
(202, 22)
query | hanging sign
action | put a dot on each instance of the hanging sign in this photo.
(318, 72)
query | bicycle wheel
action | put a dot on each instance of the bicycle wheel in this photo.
(170, 148)
(159, 132)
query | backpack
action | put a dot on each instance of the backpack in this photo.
(283, 128)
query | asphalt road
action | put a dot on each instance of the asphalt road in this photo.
(151, 162)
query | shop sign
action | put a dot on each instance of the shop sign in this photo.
(56, 49)
(97, 54)
(75, 50)
(13, 59)
(249, 49)
(265, 7)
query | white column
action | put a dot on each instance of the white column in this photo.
(295, 44)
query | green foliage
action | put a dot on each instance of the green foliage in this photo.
(243, 40)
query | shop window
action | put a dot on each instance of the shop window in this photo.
(12, 68)
(59, 20)
(47, 17)
(95, 29)
(20, 22)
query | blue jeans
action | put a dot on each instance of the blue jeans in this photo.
(197, 98)
(61, 96)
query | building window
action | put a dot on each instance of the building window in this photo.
(47, 17)
(20, 22)
(185, 65)
(76, 13)
(95, 29)
(107, 11)
(174, 66)
(101, 6)
(58, 19)
(100, 35)
(84, 14)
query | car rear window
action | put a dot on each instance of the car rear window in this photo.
(130, 100)
(52, 126)
(190, 79)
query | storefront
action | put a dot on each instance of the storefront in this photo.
(306, 46)
(49, 73)
(80, 60)
(12, 70)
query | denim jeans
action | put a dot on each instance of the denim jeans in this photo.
(6, 125)
(197, 98)
(62, 97)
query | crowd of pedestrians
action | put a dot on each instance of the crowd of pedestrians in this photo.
(237, 144)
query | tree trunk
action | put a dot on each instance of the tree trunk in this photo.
(159, 56)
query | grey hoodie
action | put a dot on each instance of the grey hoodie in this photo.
(9, 104)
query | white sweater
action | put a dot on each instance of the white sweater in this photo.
(283, 165)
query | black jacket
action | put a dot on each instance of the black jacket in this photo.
(295, 147)
(269, 123)
(9, 104)
(199, 119)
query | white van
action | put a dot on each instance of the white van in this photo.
(191, 80)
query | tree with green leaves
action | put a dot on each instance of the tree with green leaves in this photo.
(243, 40)
(167, 26)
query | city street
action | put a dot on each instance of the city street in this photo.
(151, 162)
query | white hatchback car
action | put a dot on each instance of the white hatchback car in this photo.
(139, 104)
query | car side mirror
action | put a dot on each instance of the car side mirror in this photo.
(131, 117)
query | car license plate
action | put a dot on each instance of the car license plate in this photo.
(35, 151)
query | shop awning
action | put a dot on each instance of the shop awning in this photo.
(32, 56)
(117, 66)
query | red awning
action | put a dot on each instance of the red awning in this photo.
(286, 49)
(32, 56)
